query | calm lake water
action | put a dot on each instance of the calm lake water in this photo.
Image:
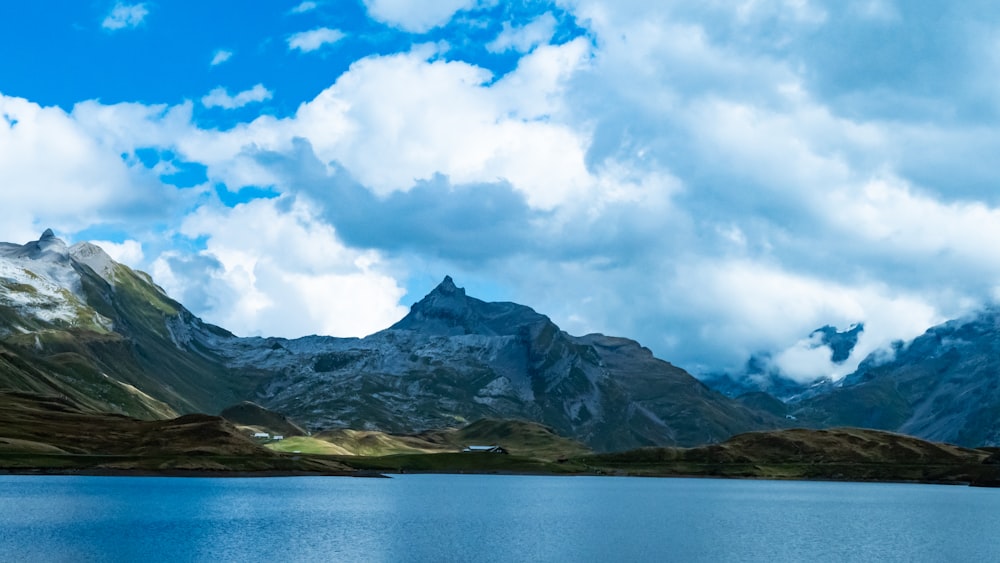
(490, 518)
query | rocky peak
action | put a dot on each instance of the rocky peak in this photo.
(49, 242)
(447, 310)
(95, 257)
(445, 298)
(448, 287)
(48, 247)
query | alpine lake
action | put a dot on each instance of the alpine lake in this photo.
(491, 518)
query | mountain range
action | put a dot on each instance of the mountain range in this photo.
(75, 323)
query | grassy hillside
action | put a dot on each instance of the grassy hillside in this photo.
(840, 453)
(49, 433)
(520, 438)
(71, 373)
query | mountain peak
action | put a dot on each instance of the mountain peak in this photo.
(51, 243)
(95, 257)
(447, 310)
(448, 287)
(48, 247)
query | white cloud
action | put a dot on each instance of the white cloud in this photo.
(125, 16)
(416, 17)
(677, 157)
(53, 172)
(442, 117)
(221, 56)
(220, 98)
(282, 272)
(524, 38)
(304, 7)
(128, 252)
(433, 117)
(308, 41)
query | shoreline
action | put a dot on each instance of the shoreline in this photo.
(243, 474)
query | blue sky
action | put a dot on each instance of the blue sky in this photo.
(713, 179)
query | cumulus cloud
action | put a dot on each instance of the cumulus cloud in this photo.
(445, 117)
(124, 16)
(221, 56)
(53, 172)
(524, 38)
(312, 40)
(272, 268)
(220, 97)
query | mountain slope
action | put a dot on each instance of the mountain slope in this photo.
(75, 322)
(943, 386)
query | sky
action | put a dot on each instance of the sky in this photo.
(714, 179)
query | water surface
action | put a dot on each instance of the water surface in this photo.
(490, 518)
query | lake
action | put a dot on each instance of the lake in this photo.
(490, 518)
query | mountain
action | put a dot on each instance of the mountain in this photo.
(942, 386)
(76, 323)
(455, 358)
